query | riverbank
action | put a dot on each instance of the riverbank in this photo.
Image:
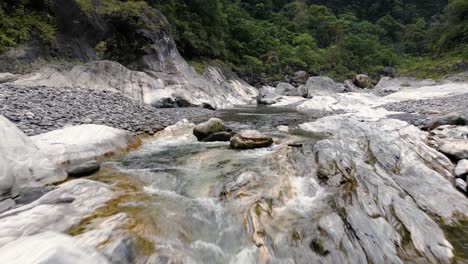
(37, 110)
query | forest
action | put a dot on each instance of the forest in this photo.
(269, 39)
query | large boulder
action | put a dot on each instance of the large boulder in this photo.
(321, 85)
(250, 139)
(300, 77)
(76, 144)
(48, 248)
(448, 119)
(455, 149)
(267, 95)
(283, 88)
(22, 164)
(462, 168)
(363, 81)
(212, 130)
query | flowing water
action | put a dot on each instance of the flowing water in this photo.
(186, 180)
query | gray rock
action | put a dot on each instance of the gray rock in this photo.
(203, 130)
(49, 247)
(387, 71)
(250, 139)
(6, 204)
(300, 77)
(461, 184)
(122, 250)
(462, 168)
(219, 136)
(267, 95)
(287, 89)
(320, 85)
(448, 119)
(363, 81)
(7, 77)
(455, 149)
(84, 169)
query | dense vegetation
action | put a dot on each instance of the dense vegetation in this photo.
(271, 38)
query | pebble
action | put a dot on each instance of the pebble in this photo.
(36, 110)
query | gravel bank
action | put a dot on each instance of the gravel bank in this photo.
(37, 110)
(458, 103)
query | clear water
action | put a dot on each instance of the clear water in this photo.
(184, 176)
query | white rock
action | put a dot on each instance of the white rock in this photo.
(461, 184)
(21, 160)
(461, 168)
(49, 248)
(79, 143)
(56, 211)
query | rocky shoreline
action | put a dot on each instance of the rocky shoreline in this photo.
(37, 110)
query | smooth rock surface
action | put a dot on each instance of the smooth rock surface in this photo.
(76, 144)
(213, 125)
(462, 168)
(249, 139)
(267, 95)
(283, 88)
(55, 211)
(22, 164)
(84, 169)
(456, 149)
(49, 248)
(320, 85)
(448, 119)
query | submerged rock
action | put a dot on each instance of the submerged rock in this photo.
(250, 139)
(211, 130)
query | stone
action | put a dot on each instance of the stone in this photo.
(57, 210)
(219, 136)
(448, 119)
(461, 184)
(84, 169)
(462, 168)
(320, 85)
(455, 149)
(49, 247)
(22, 164)
(76, 144)
(300, 77)
(283, 88)
(7, 77)
(213, 125)
(250, 139)
(387, 71)
(267, 95)
(363, 81)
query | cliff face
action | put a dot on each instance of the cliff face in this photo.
(142, 60)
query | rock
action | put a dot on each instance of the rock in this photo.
(84, 169)
(462, 168)
(302, 90)
(286, 89)
(49, 247)
(6, 204)
(57, 210)
(320, 85)
(350, 87)
(249, 139)
(448, 119)
(73, 145)
(461, 184)
(214, 125)
(7, 77)
(219, 136)
(22, 164)
(284, 129)
(300, 77)
(455, 149)
(363, 81)
(267, 95)
(387, 71)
